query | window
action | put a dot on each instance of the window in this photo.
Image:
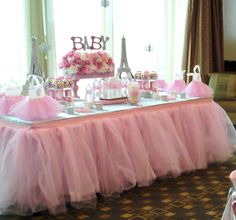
(15, 41)
(76, 18)
(154, 30)
(79, 19)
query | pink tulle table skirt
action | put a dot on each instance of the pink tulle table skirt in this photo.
(46, 165)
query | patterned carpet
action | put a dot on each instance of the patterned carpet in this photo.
(195, 196)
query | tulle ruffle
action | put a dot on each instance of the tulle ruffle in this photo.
(177, 86)
(44, 168)
(6, 102)
(161, 84)
(198, 89)
(36, 109)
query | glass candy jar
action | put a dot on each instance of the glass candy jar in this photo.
(134, 92)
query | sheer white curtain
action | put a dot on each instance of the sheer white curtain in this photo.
(77, 18)
(14, 40)
(157, 25)
(154, 32)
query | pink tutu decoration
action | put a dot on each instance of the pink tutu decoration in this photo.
(6, 102)
(37, 106)
(36, 109)
(198, 89)
(161, 84)
(10, 94)
(177, 86)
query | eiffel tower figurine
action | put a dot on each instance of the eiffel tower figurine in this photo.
(124, 66)
(34, 66)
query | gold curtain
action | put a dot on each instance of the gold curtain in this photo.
(204, 42)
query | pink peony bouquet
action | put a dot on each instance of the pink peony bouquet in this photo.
(87, 65)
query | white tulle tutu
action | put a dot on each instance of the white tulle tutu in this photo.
(198, 89)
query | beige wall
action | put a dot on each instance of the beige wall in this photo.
(229, 29)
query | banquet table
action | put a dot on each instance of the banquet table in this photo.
(47, 164)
